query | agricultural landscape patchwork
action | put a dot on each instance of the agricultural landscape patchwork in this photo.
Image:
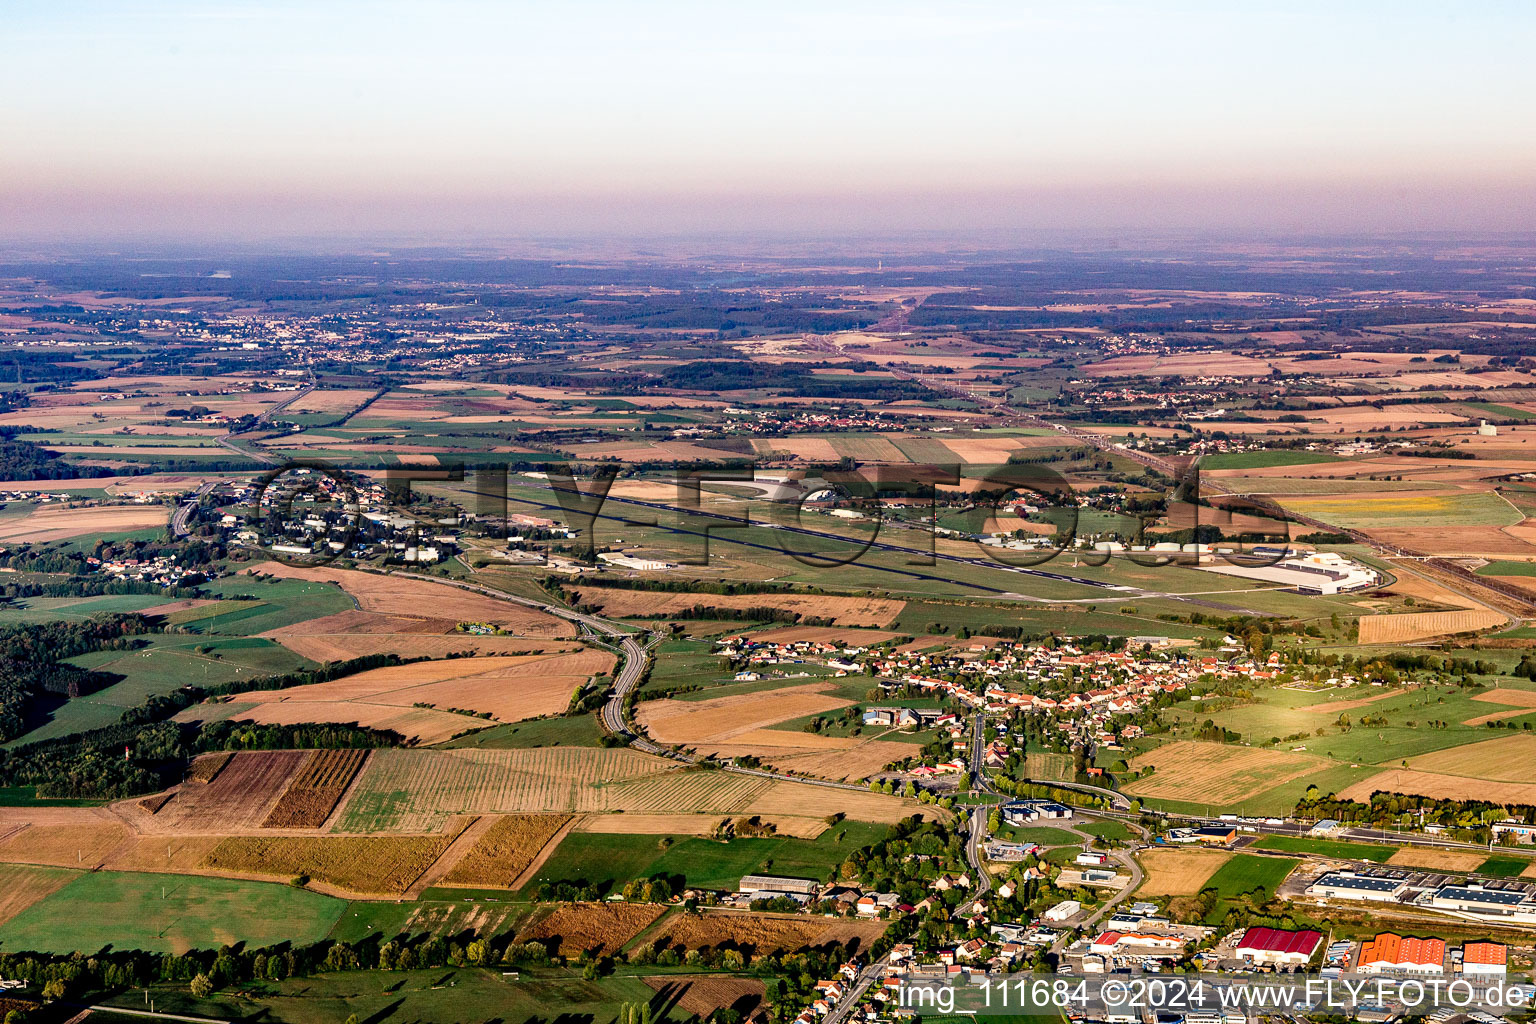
(398, 637)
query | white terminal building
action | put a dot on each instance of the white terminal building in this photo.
(1321, 572)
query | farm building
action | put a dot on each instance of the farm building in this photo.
(1350, 886)
(767, 887)
(1484, 958)
(1278, 946)
(1399, 955)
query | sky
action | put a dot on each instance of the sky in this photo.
(458, 118)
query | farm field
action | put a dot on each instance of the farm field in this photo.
(84, 842)
(1174, 871)
(356, 864)
(241, 796)
(1508, 759)
(1245, 872)
(1327, 847)
(168, 913)
(843, 611)
(703, 995)
(1443, 860)
(1215, 773)
(22, 885)
(407, 698)
(408, 598)
(1440, 786)
(315, 789)
(1396, 733)
(1379, 511)
(418, 790)
(610, 860)
(51, 523)
(761, 933)
(505, 850)
(1414, 626)
(414, 725)
(599, 928)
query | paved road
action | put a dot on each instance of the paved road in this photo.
(867, 977)
(184, 511)
(225, 441)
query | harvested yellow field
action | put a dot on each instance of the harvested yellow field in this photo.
(331, 400)
(1509, 697)
(1436, 860)
(803, 448)
(71, 846)
(692, 824)
(1400, 629)
(986, 450)
(1179, 872)
(1510, 758)
(1443, 787)
(355, 864)
(844, 611)
(52, 523)
(721, 718)
(1519, 702)
(21, 886)
(1217, 773)
(851, 761)
(505, 850)
(414, 725)
(323, 647)
(162, 853)
(417, 599)
(509, 688)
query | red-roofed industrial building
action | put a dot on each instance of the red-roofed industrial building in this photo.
(1277, 946)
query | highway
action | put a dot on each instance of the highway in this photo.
(179, 527)
(224, 439)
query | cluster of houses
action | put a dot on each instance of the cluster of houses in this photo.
(777, 421)
(1098, 685)
(317, 515)
(161, 570)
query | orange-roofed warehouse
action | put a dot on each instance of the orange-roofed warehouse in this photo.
(1484, 958)
(1389, 952)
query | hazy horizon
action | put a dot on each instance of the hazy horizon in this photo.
(179, 120)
